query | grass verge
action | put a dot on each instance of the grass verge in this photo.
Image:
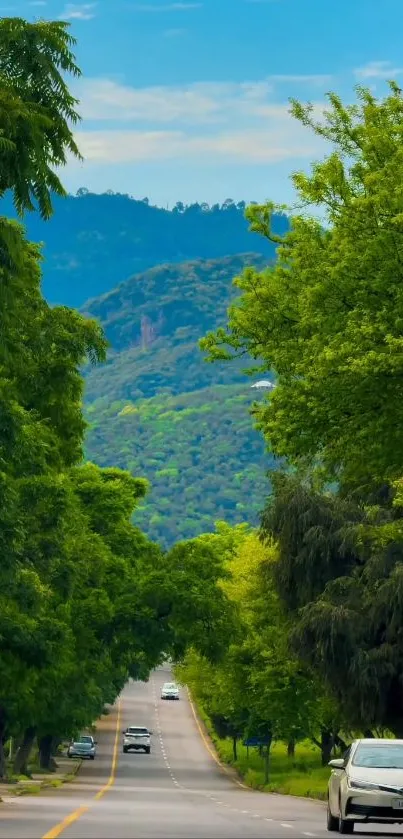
(33, 789)
(301, 775)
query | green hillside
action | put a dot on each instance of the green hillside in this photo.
(153, 323)
(198, 450)
(157, 408)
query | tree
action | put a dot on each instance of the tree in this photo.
(345, 563)
(36, 110)
(41, 435)
(314, 537)
(98, 598)
(327, 317)
(257, 688)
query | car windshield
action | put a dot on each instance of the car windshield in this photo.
(132, 730)
(85, 739)
(382, 756)
(82, 744)
(170, 686)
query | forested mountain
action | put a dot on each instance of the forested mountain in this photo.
(157, 408)
(199, 451)
(157, 280)
(153, 323)
(93, 242)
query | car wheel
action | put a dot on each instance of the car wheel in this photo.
(92, 757)
(124, 751)
(147, 751)
(332, 821)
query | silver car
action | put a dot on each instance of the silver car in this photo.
(83, 747)
(366, 785)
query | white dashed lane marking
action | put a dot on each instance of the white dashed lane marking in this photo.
(176, 783)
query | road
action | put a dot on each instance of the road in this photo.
(177, 791)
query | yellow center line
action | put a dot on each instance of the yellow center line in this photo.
(76, 814)
(111, 781)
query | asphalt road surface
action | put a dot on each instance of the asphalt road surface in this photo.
(177, 791)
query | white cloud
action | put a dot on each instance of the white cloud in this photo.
(378, 70)
(84, 11)
(249, 146)
(197, 103)
(203, 122)
(166, 7)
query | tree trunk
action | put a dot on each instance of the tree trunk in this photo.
(267, 763)
(55, 745)
(340, 743)
(326, 745)
(23, 752)
(291, 748)
(3, 767)
(45, 752)
(234, 748)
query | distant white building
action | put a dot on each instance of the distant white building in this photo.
(264, 384)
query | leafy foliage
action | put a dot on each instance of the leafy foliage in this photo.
(327, 320)
(36, 110)
(327, 317)
(258, 688)
(81, 588)
(347, 616)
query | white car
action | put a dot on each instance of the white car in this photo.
(366, 785)
(137, 738)
(170, 691)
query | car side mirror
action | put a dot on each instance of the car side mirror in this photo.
(337, 763)
(151, 732)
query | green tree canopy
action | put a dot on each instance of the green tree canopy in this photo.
(258, 687)
(327, 317)
(339, 577)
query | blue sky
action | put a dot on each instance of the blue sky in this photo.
(189, 100)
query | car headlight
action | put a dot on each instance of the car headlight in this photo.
(362, 785)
